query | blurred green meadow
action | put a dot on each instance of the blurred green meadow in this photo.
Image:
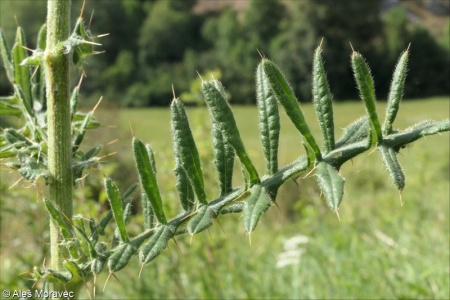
(379, 249)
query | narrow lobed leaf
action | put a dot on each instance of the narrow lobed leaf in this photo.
(117, 208)
(395, 92)
(223, 160)
(356, 131)
(223, 152)
(42, 37)
(147, 178)
(60, 219)
(222, 117)
(74, 270)
(121, 256)
(331, 184)
(13, 136)
(9, 106)
(285, 95)
(84, 242)
(6, 56)
(393, 166)
(323, 100)
(74, 101)
(185, 150)
(27, 108)
(156, 244)
(415, 132)
(126, 216)
(255, 206)
(269, 120)
(38, 77)
(366, 88)
(202, 220)
(81, 132)
(147, 211)
(22, 73)
(81, 41)
(79, 118)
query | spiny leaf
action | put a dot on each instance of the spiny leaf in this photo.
(415, 132)
(59, 219)
(185, 150)
(309, 154)
(42, 37)
(285, 95)
(366, 88)
(81, 132)
(21, 72)
(202, 220)
(100, 229)
(79, 118)
(9, 106)
(116, 206)
(55, 276)
(147, 178)
(223, 160)
(6, 56)
(185, 191)
(147, 211)
(355, 132)
(222, 117)
(38, 78)
(18, 93)
(75, 272)
(339, 156)
(82, 43)
(13, 136)
(74, 101)
(34, 59)
(121, 256)
(322, 100)
(126, 216)
(269, 120)
(395, 92)
(331, 184)
(205, 214)
(31, 169)
(223, 152)
(97, 265)
(255, 206)
(10, 150)
(84, 242)
(393, 166)
(156, 244)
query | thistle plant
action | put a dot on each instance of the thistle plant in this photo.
(47, 147)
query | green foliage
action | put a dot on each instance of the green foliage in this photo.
(158, 42)
(85, 254)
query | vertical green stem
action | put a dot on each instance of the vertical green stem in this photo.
(58, 119)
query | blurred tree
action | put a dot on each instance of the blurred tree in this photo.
(445, 38)
(167, 32)
(28, 14)
(395, 30)
(262, 21)
(429, 68)
(183, 5)
(292, 49)
(351, 21)
(152, 44)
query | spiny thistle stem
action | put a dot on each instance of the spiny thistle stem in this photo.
(56, 63)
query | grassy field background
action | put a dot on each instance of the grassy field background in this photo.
(378, 249)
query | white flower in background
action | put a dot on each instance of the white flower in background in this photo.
(292, 251)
